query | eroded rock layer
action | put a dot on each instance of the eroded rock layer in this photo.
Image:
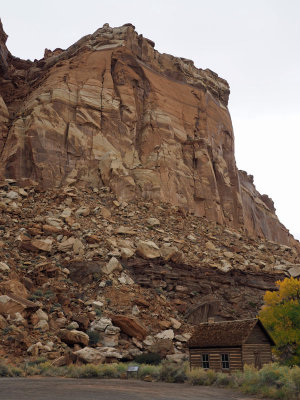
(112, 111)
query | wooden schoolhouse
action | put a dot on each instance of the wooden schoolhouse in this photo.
(227, 346)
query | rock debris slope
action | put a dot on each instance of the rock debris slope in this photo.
(111, 110)
(134, 277)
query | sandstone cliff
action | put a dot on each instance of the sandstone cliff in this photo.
(112, 111)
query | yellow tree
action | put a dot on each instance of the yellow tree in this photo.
(281, 316)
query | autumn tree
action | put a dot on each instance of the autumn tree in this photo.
(281, 316)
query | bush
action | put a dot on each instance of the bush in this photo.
(149, 370)
(96, 371)
(89, 371)
(172, 372)
(200, 376)
(197, 376)
(273, 375)
(4, 370)
(94, 337)
(148, 358)
(223, 379)
(15, 371)
(295, 379)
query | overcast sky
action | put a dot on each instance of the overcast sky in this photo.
(253, 44)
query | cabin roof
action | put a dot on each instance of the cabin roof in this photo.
(225, 333)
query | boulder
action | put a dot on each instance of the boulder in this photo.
(162, 347)
(147, 249)
(12, 304)
(15, 287)
(112, 266)
(42, 244)
(166, 334)
(42, 326)
(90, 355)
(38, 316)
(126, 253)
(124, 279)
(101, 324)
(176, 324)
(153, 221)
(34, 349)
(83, 210)
(4, 267)
(73, 337)
(294, 271)
(66, 245)
(98, 355)
(130, 326)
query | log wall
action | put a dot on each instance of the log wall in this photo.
(215, 360)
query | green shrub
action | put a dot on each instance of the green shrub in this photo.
(16, 371)
(149, 370)
(273, 375)
(211, 377)
(94, 337)
(89, 371)
(98, 312)
(173, 372)
(295, 379)
(223, 379)
(37, 361)
(196, 376)
(108, 371)
(96, 371)
(33, 370)
(4, 370)
(200, 376)
(148, 358)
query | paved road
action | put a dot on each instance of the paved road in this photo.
(112, 389)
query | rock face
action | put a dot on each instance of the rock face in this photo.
(111, 110)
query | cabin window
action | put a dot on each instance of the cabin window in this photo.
(225, 361)
(205, 361)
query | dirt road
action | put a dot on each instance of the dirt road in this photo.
(113, 389)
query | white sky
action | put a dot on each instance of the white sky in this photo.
(253, 44)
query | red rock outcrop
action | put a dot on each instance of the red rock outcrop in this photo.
(111, 110)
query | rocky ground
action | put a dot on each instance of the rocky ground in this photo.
(86, 278)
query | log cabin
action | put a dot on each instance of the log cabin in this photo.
(228, 346)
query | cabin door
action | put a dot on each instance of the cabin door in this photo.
(257, 360)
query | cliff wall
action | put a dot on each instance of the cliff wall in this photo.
(111, 110)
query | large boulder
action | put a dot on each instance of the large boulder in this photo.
(162, 347)
(112, 266)
(295, 271)
(13, 287)
(90, 355)
(147, 249)
(98, 355)
(72, 337)
(130, 326)
(12, 304)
